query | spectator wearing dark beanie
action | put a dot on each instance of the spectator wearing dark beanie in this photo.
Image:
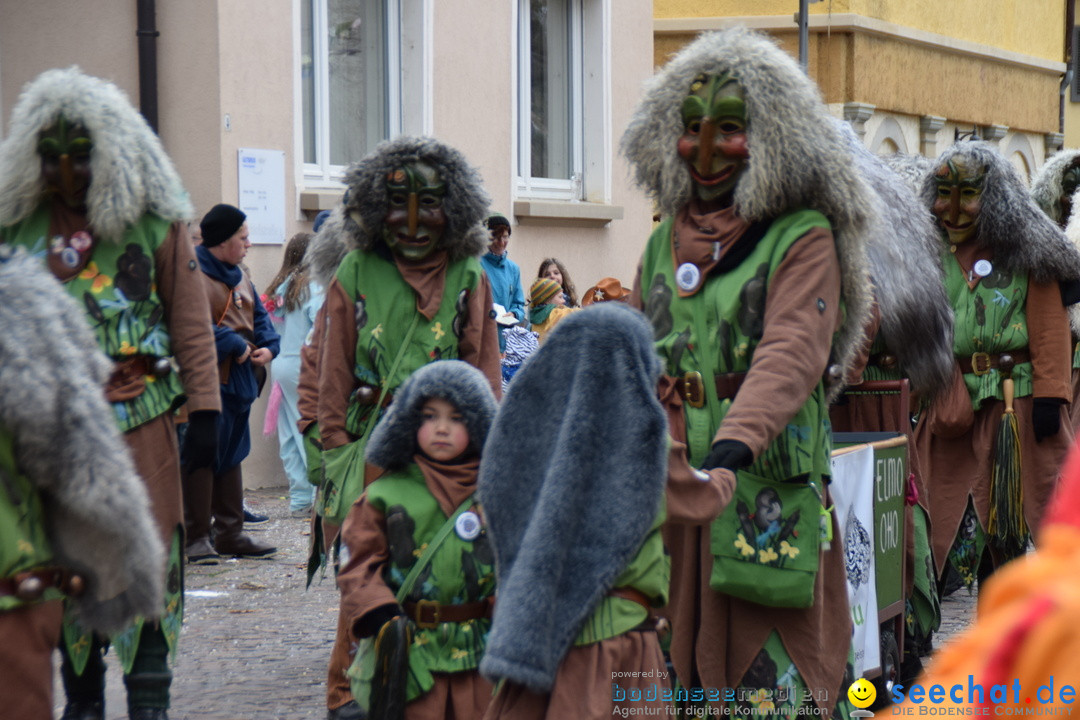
(220, 224)
(246, 343)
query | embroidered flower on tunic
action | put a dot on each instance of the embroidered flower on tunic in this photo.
(767, 555)
(744, 547)
(437, 329)
(789, 550)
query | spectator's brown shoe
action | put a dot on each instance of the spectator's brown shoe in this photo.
(243, 546)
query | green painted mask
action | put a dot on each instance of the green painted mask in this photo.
(64, 149)
(959, 197)
(415, 219)
(714, 142)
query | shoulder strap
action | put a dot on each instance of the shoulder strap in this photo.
(375, 414)
(429, 552)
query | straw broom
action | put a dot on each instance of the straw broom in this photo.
(1006, 526)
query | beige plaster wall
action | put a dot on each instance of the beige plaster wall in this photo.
(1033, 27)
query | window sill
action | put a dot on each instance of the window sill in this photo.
(314, 201)
(573, 214)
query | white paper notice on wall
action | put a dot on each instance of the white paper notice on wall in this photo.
(261, 182)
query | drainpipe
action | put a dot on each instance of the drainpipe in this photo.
(147, 34)
(804, 35)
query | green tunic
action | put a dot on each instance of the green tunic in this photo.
(117, 289)
(385, 310)
(717, 330)
(990, 318)
(461, 571)
(23, 542)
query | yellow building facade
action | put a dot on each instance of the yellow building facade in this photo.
(912, 74)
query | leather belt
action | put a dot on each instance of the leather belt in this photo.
(128, 379)
(883, 360)
(691, 387)
(32, 584)
(429, 613)
(981, 363)
(633, 594)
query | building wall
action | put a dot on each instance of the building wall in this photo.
(234, 60)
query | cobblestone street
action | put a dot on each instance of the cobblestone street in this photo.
(255, 643)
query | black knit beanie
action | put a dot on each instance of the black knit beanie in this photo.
(220, 224)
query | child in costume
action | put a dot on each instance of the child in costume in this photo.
(764, 230)
(575, 506)
(547, 306)
(417, 546)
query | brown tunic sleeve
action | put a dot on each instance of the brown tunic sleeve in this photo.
(307, 391)
(361, 580)
(337, 355)
(691, 500)
(1050, 341)
(794, 349)
(187, 316)
(479, 343)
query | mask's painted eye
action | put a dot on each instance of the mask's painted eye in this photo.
(398, 198)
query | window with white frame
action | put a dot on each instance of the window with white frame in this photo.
(358, 60)
(562, 89)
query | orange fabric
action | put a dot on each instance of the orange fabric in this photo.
(1026, 630)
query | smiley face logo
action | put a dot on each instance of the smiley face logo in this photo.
(862, 693)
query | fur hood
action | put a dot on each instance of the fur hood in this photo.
(905, 266)
(913, 168)
(798, 157)
(131, 174)
(571, 480)
(357, 223)
(97, 512)
(1021, 236)
(393, 441)
(1046, 185)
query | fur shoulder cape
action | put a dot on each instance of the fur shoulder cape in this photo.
(571, 480)
(131, 174)
(67, 443)
(357, 223)
(798, 157)
(1021, 236)
(393, 442)
(905, 266)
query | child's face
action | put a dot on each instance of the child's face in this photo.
(442, 435)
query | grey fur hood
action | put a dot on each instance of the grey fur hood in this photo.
(393, 441)
(905, 266)
(798, 157)
(1021, 236)
(97, 511)
(357, 223)
(131, 174)
(1046, 185)
(571, 480)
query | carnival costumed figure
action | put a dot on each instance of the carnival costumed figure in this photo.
(86, 187)
(1053, 188)
(1005, 262)
(912, 339)
(575, 505)
(410, 291)
(763, 237)
(74, 517)
(419, 556)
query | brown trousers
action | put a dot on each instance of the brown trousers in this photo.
(28, 636)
